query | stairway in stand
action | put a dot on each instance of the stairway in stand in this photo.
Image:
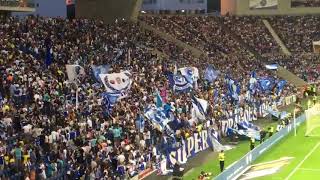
(281, 72)
(195, 51)
(275, 36)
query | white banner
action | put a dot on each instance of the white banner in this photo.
(74, 71)
(263, 4)
(118, 83)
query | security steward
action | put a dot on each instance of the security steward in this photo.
(221, 160)
(252, 143)
(271, 129)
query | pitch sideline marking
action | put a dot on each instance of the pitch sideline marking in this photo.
(305, 158)
(309, 169)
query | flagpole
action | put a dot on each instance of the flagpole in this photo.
(294, 122)
(77, 97)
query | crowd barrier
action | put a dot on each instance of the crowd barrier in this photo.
(236, 169)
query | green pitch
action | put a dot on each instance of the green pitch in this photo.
(212, 165)
(306, 153)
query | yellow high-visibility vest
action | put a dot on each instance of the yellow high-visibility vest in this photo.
(271, 130)
(221, 156)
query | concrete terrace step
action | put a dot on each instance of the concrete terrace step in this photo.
(290, 77)
(276, 37)
(195, 51)
(136, 10)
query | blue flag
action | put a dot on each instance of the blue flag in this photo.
(234, 88)
(157, 117)
(48, 60)
(211, 74)
(280, 86)
(265, 83)
(109, 100)
(252, 83)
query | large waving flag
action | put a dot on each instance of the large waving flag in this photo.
(157, 117)
(280, 86)
(74, 71)
(181, 84)
(109, 100)
(200, 107)
(211, 74)
(265, 83)
(117, 83)
(190, 73)
(233, 88)
(252, 83)
(101, 69)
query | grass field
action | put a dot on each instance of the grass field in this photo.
(305, 151)
(212, 164)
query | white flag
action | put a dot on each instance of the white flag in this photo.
(74, 71)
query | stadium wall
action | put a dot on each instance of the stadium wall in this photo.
(236, 169)
(46, 8)
(107, 10)
(284, 8)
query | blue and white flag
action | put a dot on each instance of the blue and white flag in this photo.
(97, 70)
(247, 125)
(280, 86)
(117, 83)
(181, 84)
(277, 114)
(74, 71)
(265, 83)
(109, 100)
(190, 73)
(157, 117)
(252, 83)
(234, 88)
(211, 74)
(200, 107)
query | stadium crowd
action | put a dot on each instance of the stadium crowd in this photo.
(221, 33)
(44, 134)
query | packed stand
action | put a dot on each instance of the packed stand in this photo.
(44, 134)
(297, 32)
(253, 32)
(206, 33)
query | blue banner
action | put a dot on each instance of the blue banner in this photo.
(190, 147)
